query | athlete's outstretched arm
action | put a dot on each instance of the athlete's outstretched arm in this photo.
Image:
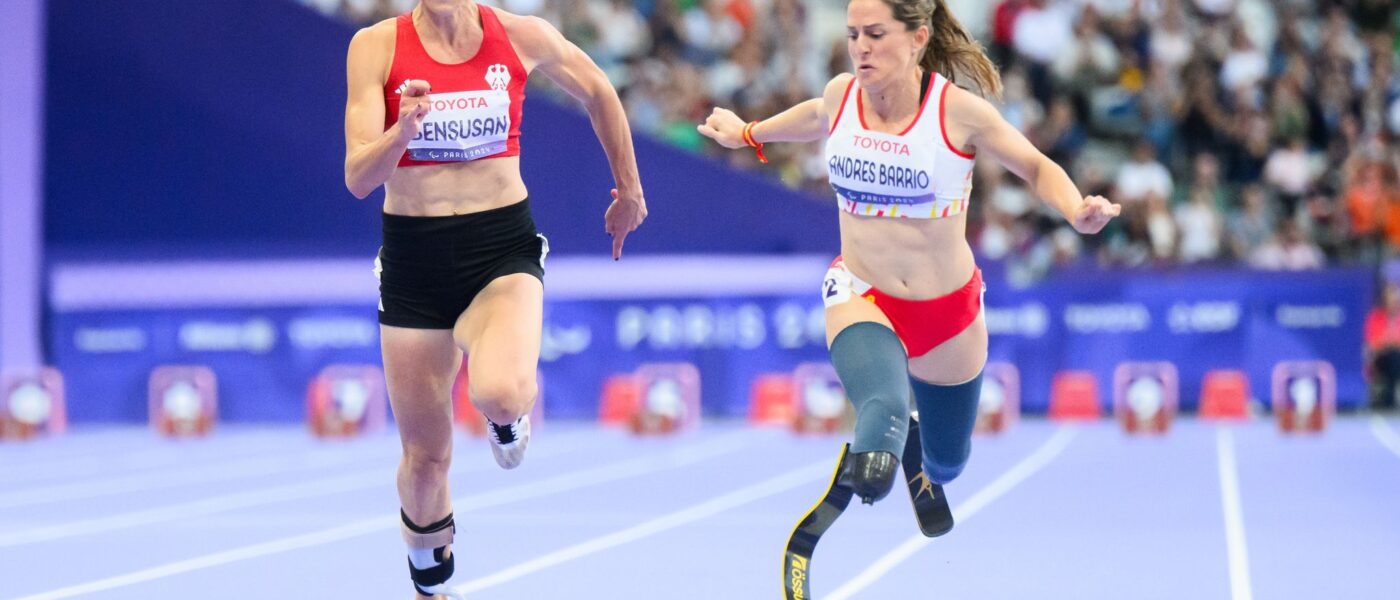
(991, 135)
(542, 46)
(801, 123)
(805, 122)
(371, 153)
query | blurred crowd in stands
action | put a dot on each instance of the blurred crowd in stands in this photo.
(1263, 132)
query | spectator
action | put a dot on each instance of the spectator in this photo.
(1003, 29)
(1171, 44)
(1222, 91)
(1143, 177)
(997, 238)
(1390, 221)
(709, 31)
(1162, 104)
(1059, 136)
(1017, 106)
(1205, 180)
(1216, 9)
(1289, 113)
(1393, 116)
(1290, 173)
(1132, 247)
(1042, 32)
(1204, 123)
(1245, 65)
(622, 34)
(1287, 250)
(1251, 227)
(1199, 221)
(1372, 187)
(1161, 229)
(1088, 60)
(1250, 144)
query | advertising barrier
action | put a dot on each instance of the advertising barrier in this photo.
(265, 353)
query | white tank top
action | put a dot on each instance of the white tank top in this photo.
(915, 174)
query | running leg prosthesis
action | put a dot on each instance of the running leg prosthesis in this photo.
(939, 443)
(872, 365)
(797, 559)
(430, 560)
(948, 414)
(931, 510)
(873, 368)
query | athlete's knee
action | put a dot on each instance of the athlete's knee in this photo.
(883, 417)
(425, 464)
(505, 398)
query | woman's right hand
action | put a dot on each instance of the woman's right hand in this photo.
(413, 106)
(725, 127)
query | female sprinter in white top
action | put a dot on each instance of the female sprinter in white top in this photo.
(903, 301)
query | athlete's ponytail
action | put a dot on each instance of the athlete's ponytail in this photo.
(951, 51)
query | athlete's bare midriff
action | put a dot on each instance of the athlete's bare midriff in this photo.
(454, 188)
(908, 258)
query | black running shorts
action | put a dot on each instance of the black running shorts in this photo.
(430, 268)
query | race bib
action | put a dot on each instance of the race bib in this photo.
(836, 287)
(463, 126)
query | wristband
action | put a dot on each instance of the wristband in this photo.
(748, 139)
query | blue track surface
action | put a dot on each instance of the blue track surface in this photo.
(1044, 511)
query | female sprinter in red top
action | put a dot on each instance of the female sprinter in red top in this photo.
(433, 115)
(903, 301)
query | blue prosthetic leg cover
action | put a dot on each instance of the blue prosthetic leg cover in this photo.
(871, 363)
(947, 414)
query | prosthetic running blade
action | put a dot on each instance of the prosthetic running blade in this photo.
(931, 508)
(797, 559)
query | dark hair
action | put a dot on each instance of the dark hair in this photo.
(950, 51)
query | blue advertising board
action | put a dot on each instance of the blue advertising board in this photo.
(265, 354)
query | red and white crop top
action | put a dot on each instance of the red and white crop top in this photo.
(915, 174)
(476, 105)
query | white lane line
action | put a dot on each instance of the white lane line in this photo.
(79, 442)
(1385, 434)
(382, 476)
(571, 481)
(74, 443)
(961, 513)
(199, 508)
(178, 477)
(100, 460)
(1234, 516)
(740, 497)
(331, 454)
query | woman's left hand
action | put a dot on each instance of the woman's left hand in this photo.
(1096, 212)
(623, 216)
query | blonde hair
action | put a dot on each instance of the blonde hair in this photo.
(951, 50)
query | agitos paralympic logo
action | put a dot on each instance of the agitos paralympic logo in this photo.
(797, 576)
(925, 486)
